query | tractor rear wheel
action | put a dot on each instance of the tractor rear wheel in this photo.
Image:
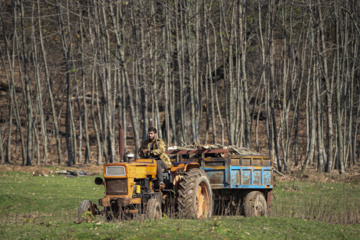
(154, 209)
(255, 205)
(195, 195)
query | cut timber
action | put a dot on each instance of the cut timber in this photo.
(231, 149)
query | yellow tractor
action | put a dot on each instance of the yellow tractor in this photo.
(132, 190)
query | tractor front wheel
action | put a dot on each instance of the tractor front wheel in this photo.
(85, 210)
(154, 209)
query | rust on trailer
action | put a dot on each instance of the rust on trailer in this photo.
(236, 177)
(256, 176)
(216, 176)
(256, 162)
(245, 161)
(213, 162)
(246, 177)
(235, 162)
(267, 162)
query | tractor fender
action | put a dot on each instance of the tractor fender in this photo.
(178, 168)
(184, 166)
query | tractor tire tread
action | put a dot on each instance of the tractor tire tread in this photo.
(186, 193)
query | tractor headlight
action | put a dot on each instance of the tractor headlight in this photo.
(115, 171)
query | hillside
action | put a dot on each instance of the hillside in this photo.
(279, 77)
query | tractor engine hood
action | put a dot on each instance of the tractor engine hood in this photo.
(141, 168)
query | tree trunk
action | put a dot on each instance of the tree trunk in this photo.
(340, 149)
(49, 86)
(328, 95)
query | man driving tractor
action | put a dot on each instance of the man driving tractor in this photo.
(154, 147)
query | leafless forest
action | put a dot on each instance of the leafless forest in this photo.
(207, 71)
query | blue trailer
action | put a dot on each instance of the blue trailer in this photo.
(241, 184)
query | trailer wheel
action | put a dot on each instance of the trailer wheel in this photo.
(255, 204)
(195, 195)
(154, 209)
(85, 206)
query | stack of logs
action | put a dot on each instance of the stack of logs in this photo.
(232, 149)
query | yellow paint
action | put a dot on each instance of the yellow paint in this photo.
(138, 169)
(122, 198)
(180, 166)
(138, 189)
(185, 166)
(135, 201)
(261, 158)
(216, 167)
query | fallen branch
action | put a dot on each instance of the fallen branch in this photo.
(275, 170)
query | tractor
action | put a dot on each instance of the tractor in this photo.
(224, 181)
(132, 190)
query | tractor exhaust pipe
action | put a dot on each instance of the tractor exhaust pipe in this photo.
(121, 143)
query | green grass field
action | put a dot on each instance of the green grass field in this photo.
(46, 208)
